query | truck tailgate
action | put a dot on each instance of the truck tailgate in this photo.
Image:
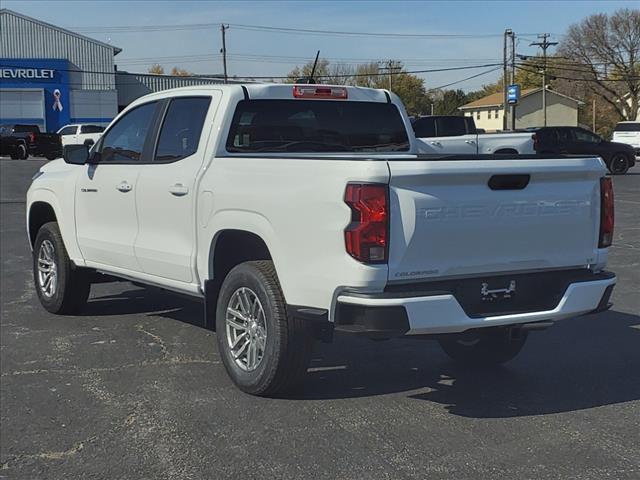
(447, 221)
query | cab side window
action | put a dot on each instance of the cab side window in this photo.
(68, 131)
(181, 129)
(125, 140)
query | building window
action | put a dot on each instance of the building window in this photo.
(497, 113)
(478, 115)
(489, 114)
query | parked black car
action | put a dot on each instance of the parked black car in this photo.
(20, 141)
(618, 157)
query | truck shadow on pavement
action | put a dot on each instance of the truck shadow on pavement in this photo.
(579, 363)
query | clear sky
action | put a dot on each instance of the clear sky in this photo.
(197, 49)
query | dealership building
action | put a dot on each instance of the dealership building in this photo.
(50, 76)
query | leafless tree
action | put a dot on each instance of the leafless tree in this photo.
(603, 51)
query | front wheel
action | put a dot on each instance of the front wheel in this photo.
(62, 287)
(263, 350)
(486, 346)
(619, 164)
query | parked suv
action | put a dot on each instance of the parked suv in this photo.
(618, 157)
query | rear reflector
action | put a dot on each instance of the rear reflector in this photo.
(319, 91)
(606, 213)
(366, 237)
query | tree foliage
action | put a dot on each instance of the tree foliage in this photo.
(408, 87)
(603, 52)
(157, 69)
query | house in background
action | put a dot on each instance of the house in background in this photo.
(487, 112)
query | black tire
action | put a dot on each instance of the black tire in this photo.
(51, 156)
(486, 346)
(73, 284)
(619, 164)
(14, 156)
(21, 152)
(288, 341)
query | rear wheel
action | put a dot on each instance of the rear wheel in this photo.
(21, 152)
(263, 350)
(486, 346)
(619, 164)
(51, 156)
(62, 288)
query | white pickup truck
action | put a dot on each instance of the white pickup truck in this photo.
(451, 134)
(80, 134)
(294, 211)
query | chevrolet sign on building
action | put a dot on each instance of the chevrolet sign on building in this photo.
(35, 73)
(47, 75)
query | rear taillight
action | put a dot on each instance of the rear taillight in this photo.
(606, 213)
(367, 236)
(32, 137)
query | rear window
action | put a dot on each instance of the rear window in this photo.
(627, 127)
(26, 128)
(316, 126)
(91, 129)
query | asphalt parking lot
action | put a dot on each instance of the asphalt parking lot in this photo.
(134, 389)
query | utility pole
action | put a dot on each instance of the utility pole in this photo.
(593, 115)
(513, 77)
(223, 50)
(507, 32)
(544, 44)
(390, 66)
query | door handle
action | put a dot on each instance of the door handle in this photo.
(435, 143)
(179, 190)
(124, 187)
(470, 142)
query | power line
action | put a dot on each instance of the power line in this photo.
(433, 70)
(267, 28)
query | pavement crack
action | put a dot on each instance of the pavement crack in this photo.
(49, 455)
(157, 339)
(75, 371)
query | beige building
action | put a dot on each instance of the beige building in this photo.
(487, 112)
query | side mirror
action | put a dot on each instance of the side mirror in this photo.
(76, 154)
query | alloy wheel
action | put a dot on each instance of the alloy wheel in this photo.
(47, 269)
(246, 327)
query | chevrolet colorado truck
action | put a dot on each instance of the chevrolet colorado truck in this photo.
(295, 211)
(458, 135)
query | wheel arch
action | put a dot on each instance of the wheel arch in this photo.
(506, 151)
(40, 212)
(228, 248)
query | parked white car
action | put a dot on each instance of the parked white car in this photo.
(80, 134)
(629, 133)
(449, 134)
(294, 211)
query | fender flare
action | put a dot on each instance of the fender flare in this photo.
(44, 195)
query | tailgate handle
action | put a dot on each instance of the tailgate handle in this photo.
(509, 182)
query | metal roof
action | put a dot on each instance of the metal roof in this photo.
(6, 11)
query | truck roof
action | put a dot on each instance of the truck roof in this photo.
(281, 91)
